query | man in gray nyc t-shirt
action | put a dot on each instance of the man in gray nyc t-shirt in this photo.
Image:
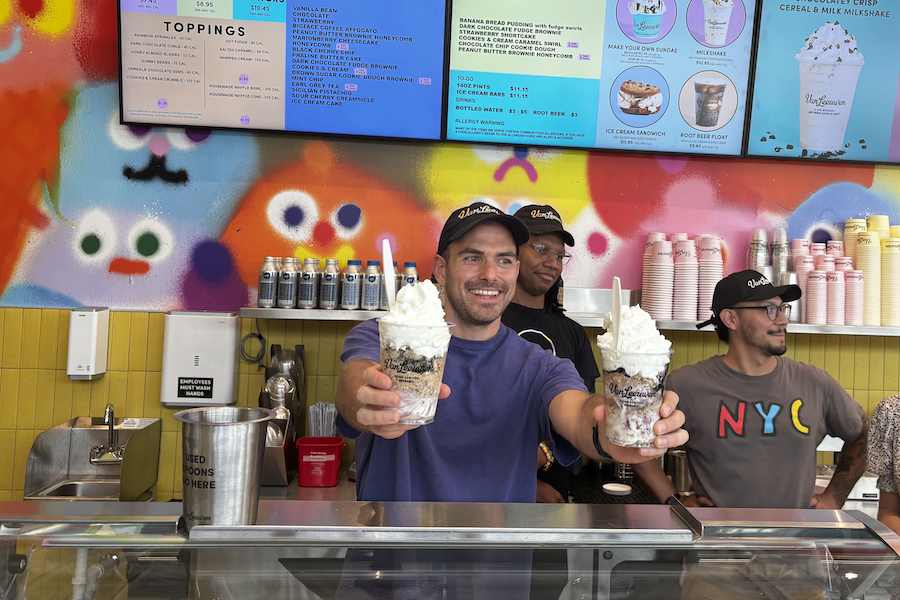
(755, 417)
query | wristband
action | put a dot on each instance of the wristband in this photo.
(547, 453)
(597, 445)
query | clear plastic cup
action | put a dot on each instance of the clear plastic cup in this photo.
(633, 386)
(416, 369)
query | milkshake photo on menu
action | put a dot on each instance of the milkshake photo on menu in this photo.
(830, 65)
(826, 84)
(716, 23)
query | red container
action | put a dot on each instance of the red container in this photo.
(320, 461)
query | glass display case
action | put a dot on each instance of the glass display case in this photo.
(369, 550)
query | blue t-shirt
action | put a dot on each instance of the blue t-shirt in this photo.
(482, 445)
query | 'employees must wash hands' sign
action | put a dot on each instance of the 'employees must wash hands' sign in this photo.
(195, 387)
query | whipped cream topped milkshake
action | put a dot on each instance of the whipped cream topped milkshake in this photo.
(634, 376)
(716, 16)
(830, 64)
(647, 17)
(414, 340)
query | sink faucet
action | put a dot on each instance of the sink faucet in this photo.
(111, 453)
(109, 418)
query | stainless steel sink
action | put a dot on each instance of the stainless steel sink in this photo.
(83, 490)
(62, 466)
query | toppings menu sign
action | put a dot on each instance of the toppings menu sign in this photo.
(654, 75)
(356, 67)
(827, 77)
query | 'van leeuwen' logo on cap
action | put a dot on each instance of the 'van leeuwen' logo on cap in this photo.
(753, 283)
(536, 214)
(468, 212)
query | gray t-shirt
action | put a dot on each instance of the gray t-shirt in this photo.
(753, 439)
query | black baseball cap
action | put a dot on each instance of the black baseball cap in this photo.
(543, 218)
(464, 220)
(746, 286)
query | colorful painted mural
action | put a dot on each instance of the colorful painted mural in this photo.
(94, 212)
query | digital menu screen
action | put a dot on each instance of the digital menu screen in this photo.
(358, 67)
(651, 75)
(827, 77)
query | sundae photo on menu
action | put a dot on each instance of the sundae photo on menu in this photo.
(716, 15)
(636, 98)
(830, 64)
(647, 15)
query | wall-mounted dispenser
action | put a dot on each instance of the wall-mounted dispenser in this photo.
(199, 358)
(88, 343)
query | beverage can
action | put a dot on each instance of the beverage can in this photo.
(268, 283)
(330, 285)
(410, 275)
(371, 287)
(351, 285)
(287, 284)
(308, 284)
(385, 281)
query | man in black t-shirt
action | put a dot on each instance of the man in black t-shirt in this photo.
(537, 315)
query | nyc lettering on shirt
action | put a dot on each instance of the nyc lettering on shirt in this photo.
(736, 422)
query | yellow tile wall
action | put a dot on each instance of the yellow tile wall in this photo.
(36, 394)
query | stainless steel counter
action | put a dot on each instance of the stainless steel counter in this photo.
(344, 491)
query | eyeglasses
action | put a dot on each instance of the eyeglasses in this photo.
(771, 310)
(542, 251)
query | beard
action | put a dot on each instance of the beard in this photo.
(770, 348)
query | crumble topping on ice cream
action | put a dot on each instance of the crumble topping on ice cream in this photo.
(831, 43)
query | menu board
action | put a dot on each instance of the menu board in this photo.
(651, 75)
(361, 67)
(827, 77)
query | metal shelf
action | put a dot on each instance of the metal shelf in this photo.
(309, 314)
(793, 328)
(583, 319)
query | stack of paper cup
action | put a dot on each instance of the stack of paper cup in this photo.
(895, 231)
(799, 247)
(843, 263)
(678, 237)
(890, 282)
(835, 293)
(803, 265)
(651, 237)
(824, 262)
(834, 247)
(657, 298)
(879, 223)
(711, 272)
(758, 253)
(851, 228)
(868, 260)
(687, 281)
(816, 298)
(816, 248)
(853, 298)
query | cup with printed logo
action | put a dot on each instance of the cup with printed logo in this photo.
(716, 16)
(830, 65)
(633, 387)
